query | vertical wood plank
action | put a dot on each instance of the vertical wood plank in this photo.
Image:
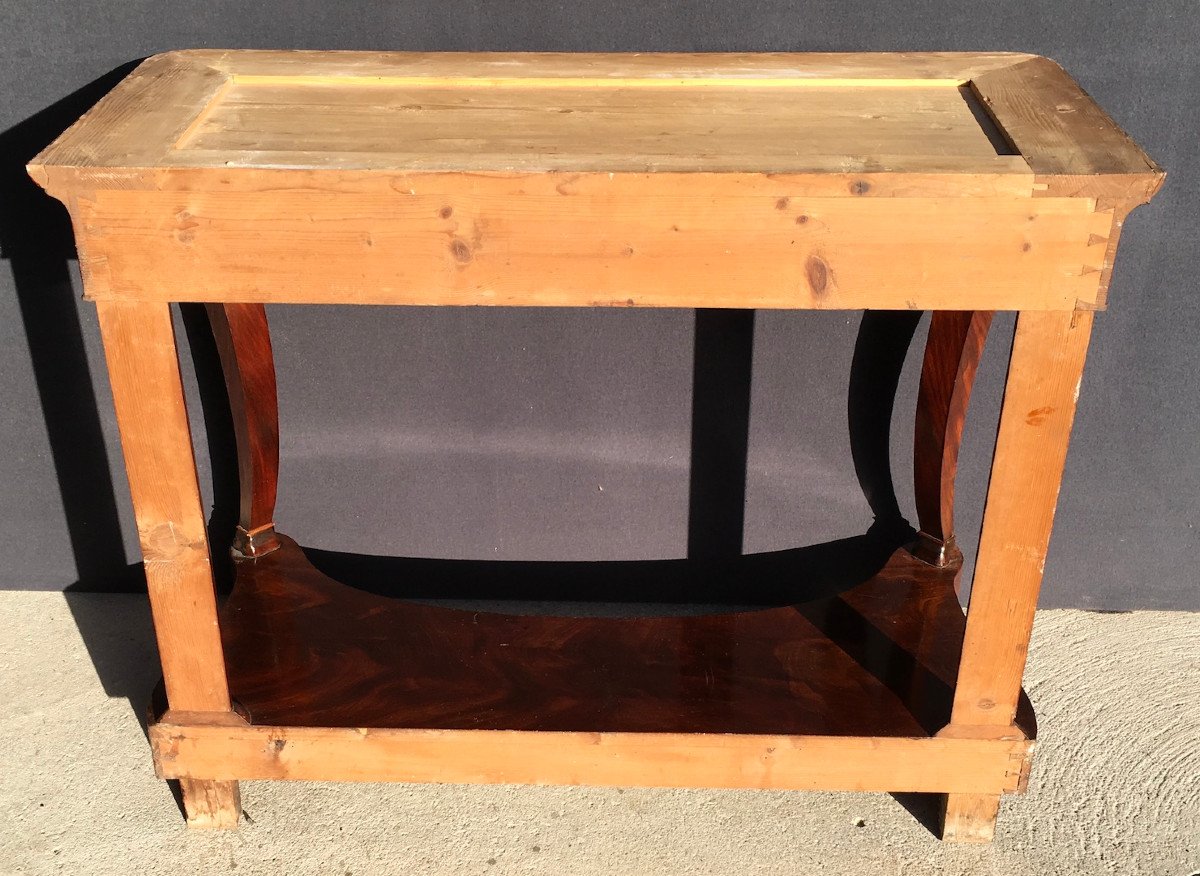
(969, 818)
(1031, 449)
(211, 804)
(143, 367)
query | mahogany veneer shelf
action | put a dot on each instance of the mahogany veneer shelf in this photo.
(957, 183)
(876, 658)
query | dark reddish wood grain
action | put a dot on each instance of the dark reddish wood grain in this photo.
(952, 353)
(244, 342)
(877, 658)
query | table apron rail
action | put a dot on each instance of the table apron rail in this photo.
(588, 243)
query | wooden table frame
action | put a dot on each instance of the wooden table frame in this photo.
(156, 226)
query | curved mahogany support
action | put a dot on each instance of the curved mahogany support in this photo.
(244, 343)
(956, 340)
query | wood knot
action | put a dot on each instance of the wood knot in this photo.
(818, 274)
(782, 204)
(860, 187)
(165, 543)
(185, 226)
(460, 251)
(446, 212)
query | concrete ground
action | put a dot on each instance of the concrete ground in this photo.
(1115, 787)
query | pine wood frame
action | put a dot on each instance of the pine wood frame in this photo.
(156, 223)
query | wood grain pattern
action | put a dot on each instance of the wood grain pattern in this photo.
(243, 341)
(652, 240)
(594, 180)
(211, 804)
(752, 66)
(1035, 427)
(634, 125)
(615, 759)
(1069, 141)
(177, 98)
(143, 369)
(873, 658)
(137, 122)
(970, 818)
(952, 353)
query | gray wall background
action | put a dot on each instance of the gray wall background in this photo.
(541, 434)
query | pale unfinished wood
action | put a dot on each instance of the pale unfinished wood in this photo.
(753, 66)
(652, 240)
(592, 180)
(211, 805)
(1031, 449)
(165, 96)
(969, 818)
(779, 112)
(143, 369)
(656, 127)
(226, 750)
(1070, 143)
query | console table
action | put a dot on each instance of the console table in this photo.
(961, 184)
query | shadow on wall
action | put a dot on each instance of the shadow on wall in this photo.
(37, 241)
(36, 238)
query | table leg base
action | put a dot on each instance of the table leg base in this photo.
(211, 804)
(969, 818)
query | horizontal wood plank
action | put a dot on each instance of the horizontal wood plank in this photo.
(883, 66)
(486, 112)
(1069, 141)
(653, 240)
(228, 751)
(490, 126)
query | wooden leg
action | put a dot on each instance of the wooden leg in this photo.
(211, 804)
(969, 818)
(244, 343)
(1031, 449)
(952, 353)
(143, 367)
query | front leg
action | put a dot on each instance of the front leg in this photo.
(143, 368)
(1031, 449)
(209, 803)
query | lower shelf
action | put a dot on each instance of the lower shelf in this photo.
(877, 658)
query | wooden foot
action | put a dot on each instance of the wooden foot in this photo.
(211, 804)
(969, 818)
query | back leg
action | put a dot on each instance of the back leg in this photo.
(244, 343)
(952, 353)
